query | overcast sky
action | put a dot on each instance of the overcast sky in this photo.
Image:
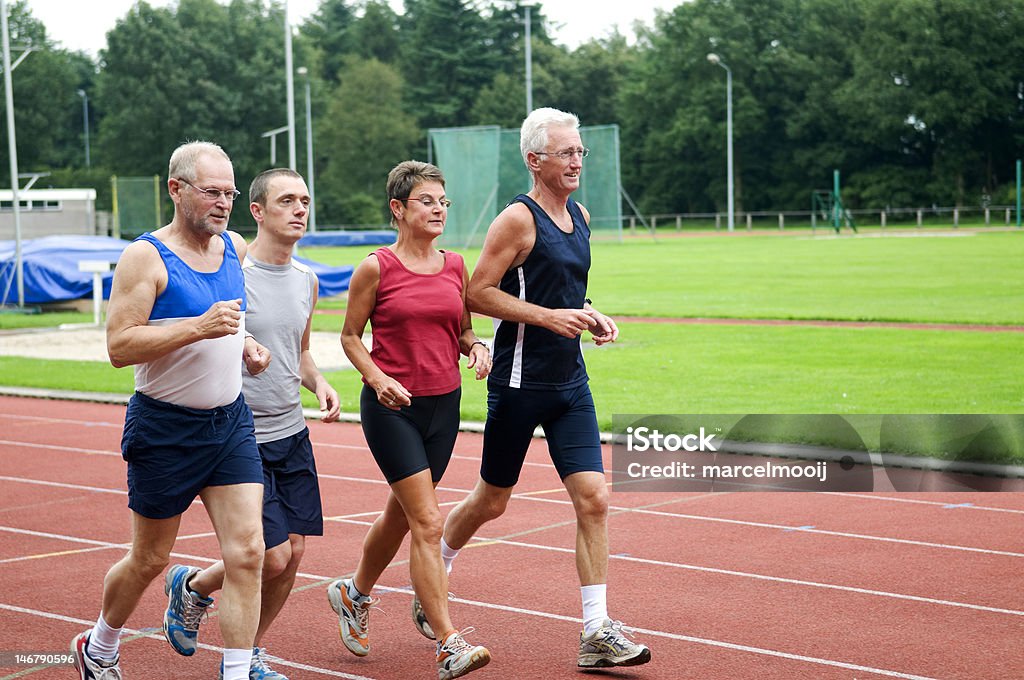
(81, 25)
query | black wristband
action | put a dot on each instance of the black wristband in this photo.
(479, 342)
(588, 301)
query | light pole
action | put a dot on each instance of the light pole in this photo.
(715, 59)
(290, 85)
(528, 50)
(304, 72)
(85, 124)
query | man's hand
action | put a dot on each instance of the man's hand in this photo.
(222, 318)
(569, 323)
(603, 329)
(256, 356)
(330, 405)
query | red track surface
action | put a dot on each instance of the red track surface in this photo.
(724, 586)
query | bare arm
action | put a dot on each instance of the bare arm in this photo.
(362, 296)
(509, 241)
(469, 344)
(312, 379)
(140, 276)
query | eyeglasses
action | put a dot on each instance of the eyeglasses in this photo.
(428, 202)
(566, 154)
(214, 194)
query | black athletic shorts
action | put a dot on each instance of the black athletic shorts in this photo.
(413, 438)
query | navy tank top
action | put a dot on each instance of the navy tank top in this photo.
(554, 275)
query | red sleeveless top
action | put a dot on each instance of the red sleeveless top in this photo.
(416, 324)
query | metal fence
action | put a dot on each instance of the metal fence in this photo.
(806, 219)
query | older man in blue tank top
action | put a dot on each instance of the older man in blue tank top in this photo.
(532, 275)
(177, 314)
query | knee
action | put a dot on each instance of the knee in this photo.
(148, 564)
(245, 553)
(276, 560)
(429, 527)
(592, 504)
(489, 505)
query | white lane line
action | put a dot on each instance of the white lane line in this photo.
(54, 447)
(67, 421)
(824, 532)
(135, 633)
(614, 508)
(941, 504)
(528, 612)
(764, 577)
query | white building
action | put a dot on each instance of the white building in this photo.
(48, 212)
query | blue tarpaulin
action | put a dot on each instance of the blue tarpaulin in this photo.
(50, 269)
(349, 238)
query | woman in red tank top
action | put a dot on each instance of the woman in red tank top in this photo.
(413, 295)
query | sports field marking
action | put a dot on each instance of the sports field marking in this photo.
(136, 634)
(55, 447)
(65, 421)
(942, 504)
(611, 508)
(844, 534)
(765, 577)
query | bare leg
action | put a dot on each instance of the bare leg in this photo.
(236, 513)
(484, 503)
(126, 581)
(429, 578)
(381, 544)
(589, 494)
(280, 565)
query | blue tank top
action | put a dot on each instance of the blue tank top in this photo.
(190, 293)
(554, 275)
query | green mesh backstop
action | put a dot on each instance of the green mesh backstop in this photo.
(136, 205)
(484, 170)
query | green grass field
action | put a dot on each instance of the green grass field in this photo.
(681, 368)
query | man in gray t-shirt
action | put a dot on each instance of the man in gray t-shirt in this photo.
(281, 295)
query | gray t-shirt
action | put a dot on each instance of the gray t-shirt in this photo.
(279, 299)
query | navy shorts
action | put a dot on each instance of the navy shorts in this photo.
(174, 452)
(569, 422)
(291, 492)
(414, 438)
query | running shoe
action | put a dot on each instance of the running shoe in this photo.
(259, 669)
(185, 609)
(419, 619)
(89, 668)
(456, 657)
(353, 619)
(608, 646)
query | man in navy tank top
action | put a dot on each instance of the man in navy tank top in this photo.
(177, 314)
(532, 279)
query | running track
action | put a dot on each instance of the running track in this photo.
(723, 586)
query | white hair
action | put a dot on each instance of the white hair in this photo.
(184, 159)
(533, 135)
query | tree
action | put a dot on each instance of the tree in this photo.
(367, 133)
(47, 110)
(200, 71)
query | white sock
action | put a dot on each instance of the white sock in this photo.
(354, 594)
(448, 554)
(104, 641)
(236, 664)
(595, 606)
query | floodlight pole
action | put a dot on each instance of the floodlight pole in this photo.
(304, 72)
(290, 86)
(85, 124)
(12, 148)
(715, 59)
(529, 62)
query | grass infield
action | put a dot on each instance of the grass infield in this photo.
(683, 368)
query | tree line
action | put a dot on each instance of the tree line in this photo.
(916, 102)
